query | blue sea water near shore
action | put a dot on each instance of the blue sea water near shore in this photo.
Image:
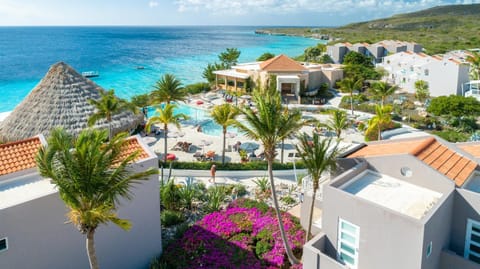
(26, 53)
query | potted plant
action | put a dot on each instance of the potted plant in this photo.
(243, 156)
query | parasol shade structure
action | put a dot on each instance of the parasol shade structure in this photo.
(61, 100)
(249, 146)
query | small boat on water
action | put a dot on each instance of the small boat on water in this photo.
(139, 67)
(90, 74)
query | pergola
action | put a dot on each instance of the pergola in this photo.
(232, 80)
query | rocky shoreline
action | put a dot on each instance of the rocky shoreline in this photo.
(277, 32)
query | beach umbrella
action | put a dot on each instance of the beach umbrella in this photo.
(61, 100)
(249, 146)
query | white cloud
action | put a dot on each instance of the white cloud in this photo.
(14, 13)
(344, 7)
(153, 4)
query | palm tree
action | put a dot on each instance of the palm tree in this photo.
(166, 116)
(382, 90)
(318, 158)
(168, 89)
(350, 85)
(381, 120)
(107, 106)
(296, 116)
(474, 61)
(421, 90)
(91, 178)
(224, 115)
(337, 123)
(269, 125)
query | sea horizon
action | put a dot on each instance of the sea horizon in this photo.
(27, 52)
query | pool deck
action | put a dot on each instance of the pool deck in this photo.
(189, 133)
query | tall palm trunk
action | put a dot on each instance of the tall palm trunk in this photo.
(109, 120)
(164, 159)
(165, 127)
(288, 250)
(351, 101)
(281, 155)
(310, 217)
(110, 130)
(379, 132)
(92, 257)
(224, 142)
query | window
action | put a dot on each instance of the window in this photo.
(348, 239)
(3, 244)
(429, 249)
(426, 72)
(472, 241)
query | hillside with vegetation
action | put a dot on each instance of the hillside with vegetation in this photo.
(438, 29)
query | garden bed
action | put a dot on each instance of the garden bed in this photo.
(244, 235)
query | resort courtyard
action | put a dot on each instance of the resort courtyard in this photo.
(209, 138)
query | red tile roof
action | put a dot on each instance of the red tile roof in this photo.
(282, 63)
(433, 153)
(130, 147)
(19, 155)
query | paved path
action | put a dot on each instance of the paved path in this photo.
(282, 174)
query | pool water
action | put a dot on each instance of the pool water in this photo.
(197, 116)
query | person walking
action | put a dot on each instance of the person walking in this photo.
(213, 170)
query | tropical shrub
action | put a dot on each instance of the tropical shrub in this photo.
(187, 194)
(454, 105)
(215, 197)
(197, 88)
(237, 237)
(452, 135)
(262, 191)
(170, 195)
(170, 218)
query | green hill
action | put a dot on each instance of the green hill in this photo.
(438, 29)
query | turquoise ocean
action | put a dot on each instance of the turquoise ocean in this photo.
(26, 53)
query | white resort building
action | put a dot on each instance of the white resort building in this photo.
(445, 74)
(376, 51)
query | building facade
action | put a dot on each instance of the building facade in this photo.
(410, 203)
(33, 228)
(376, 51)
(292, 78)
(444, 74)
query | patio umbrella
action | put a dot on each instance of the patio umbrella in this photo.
(249, 146)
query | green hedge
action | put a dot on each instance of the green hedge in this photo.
(256, 165)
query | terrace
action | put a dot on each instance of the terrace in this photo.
(392, 193)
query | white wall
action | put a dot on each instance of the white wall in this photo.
(444, 77)
(39, 238)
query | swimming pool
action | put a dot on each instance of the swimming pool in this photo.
(197, 116)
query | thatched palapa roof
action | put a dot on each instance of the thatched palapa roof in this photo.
(60, 99)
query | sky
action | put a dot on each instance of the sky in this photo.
(206, 12)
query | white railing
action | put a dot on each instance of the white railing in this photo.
(307, 186)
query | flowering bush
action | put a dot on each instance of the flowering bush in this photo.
(242, 236)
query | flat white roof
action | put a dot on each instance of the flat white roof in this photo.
(231, 73)
(248, 66)
(23, 189)
(392, 193)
